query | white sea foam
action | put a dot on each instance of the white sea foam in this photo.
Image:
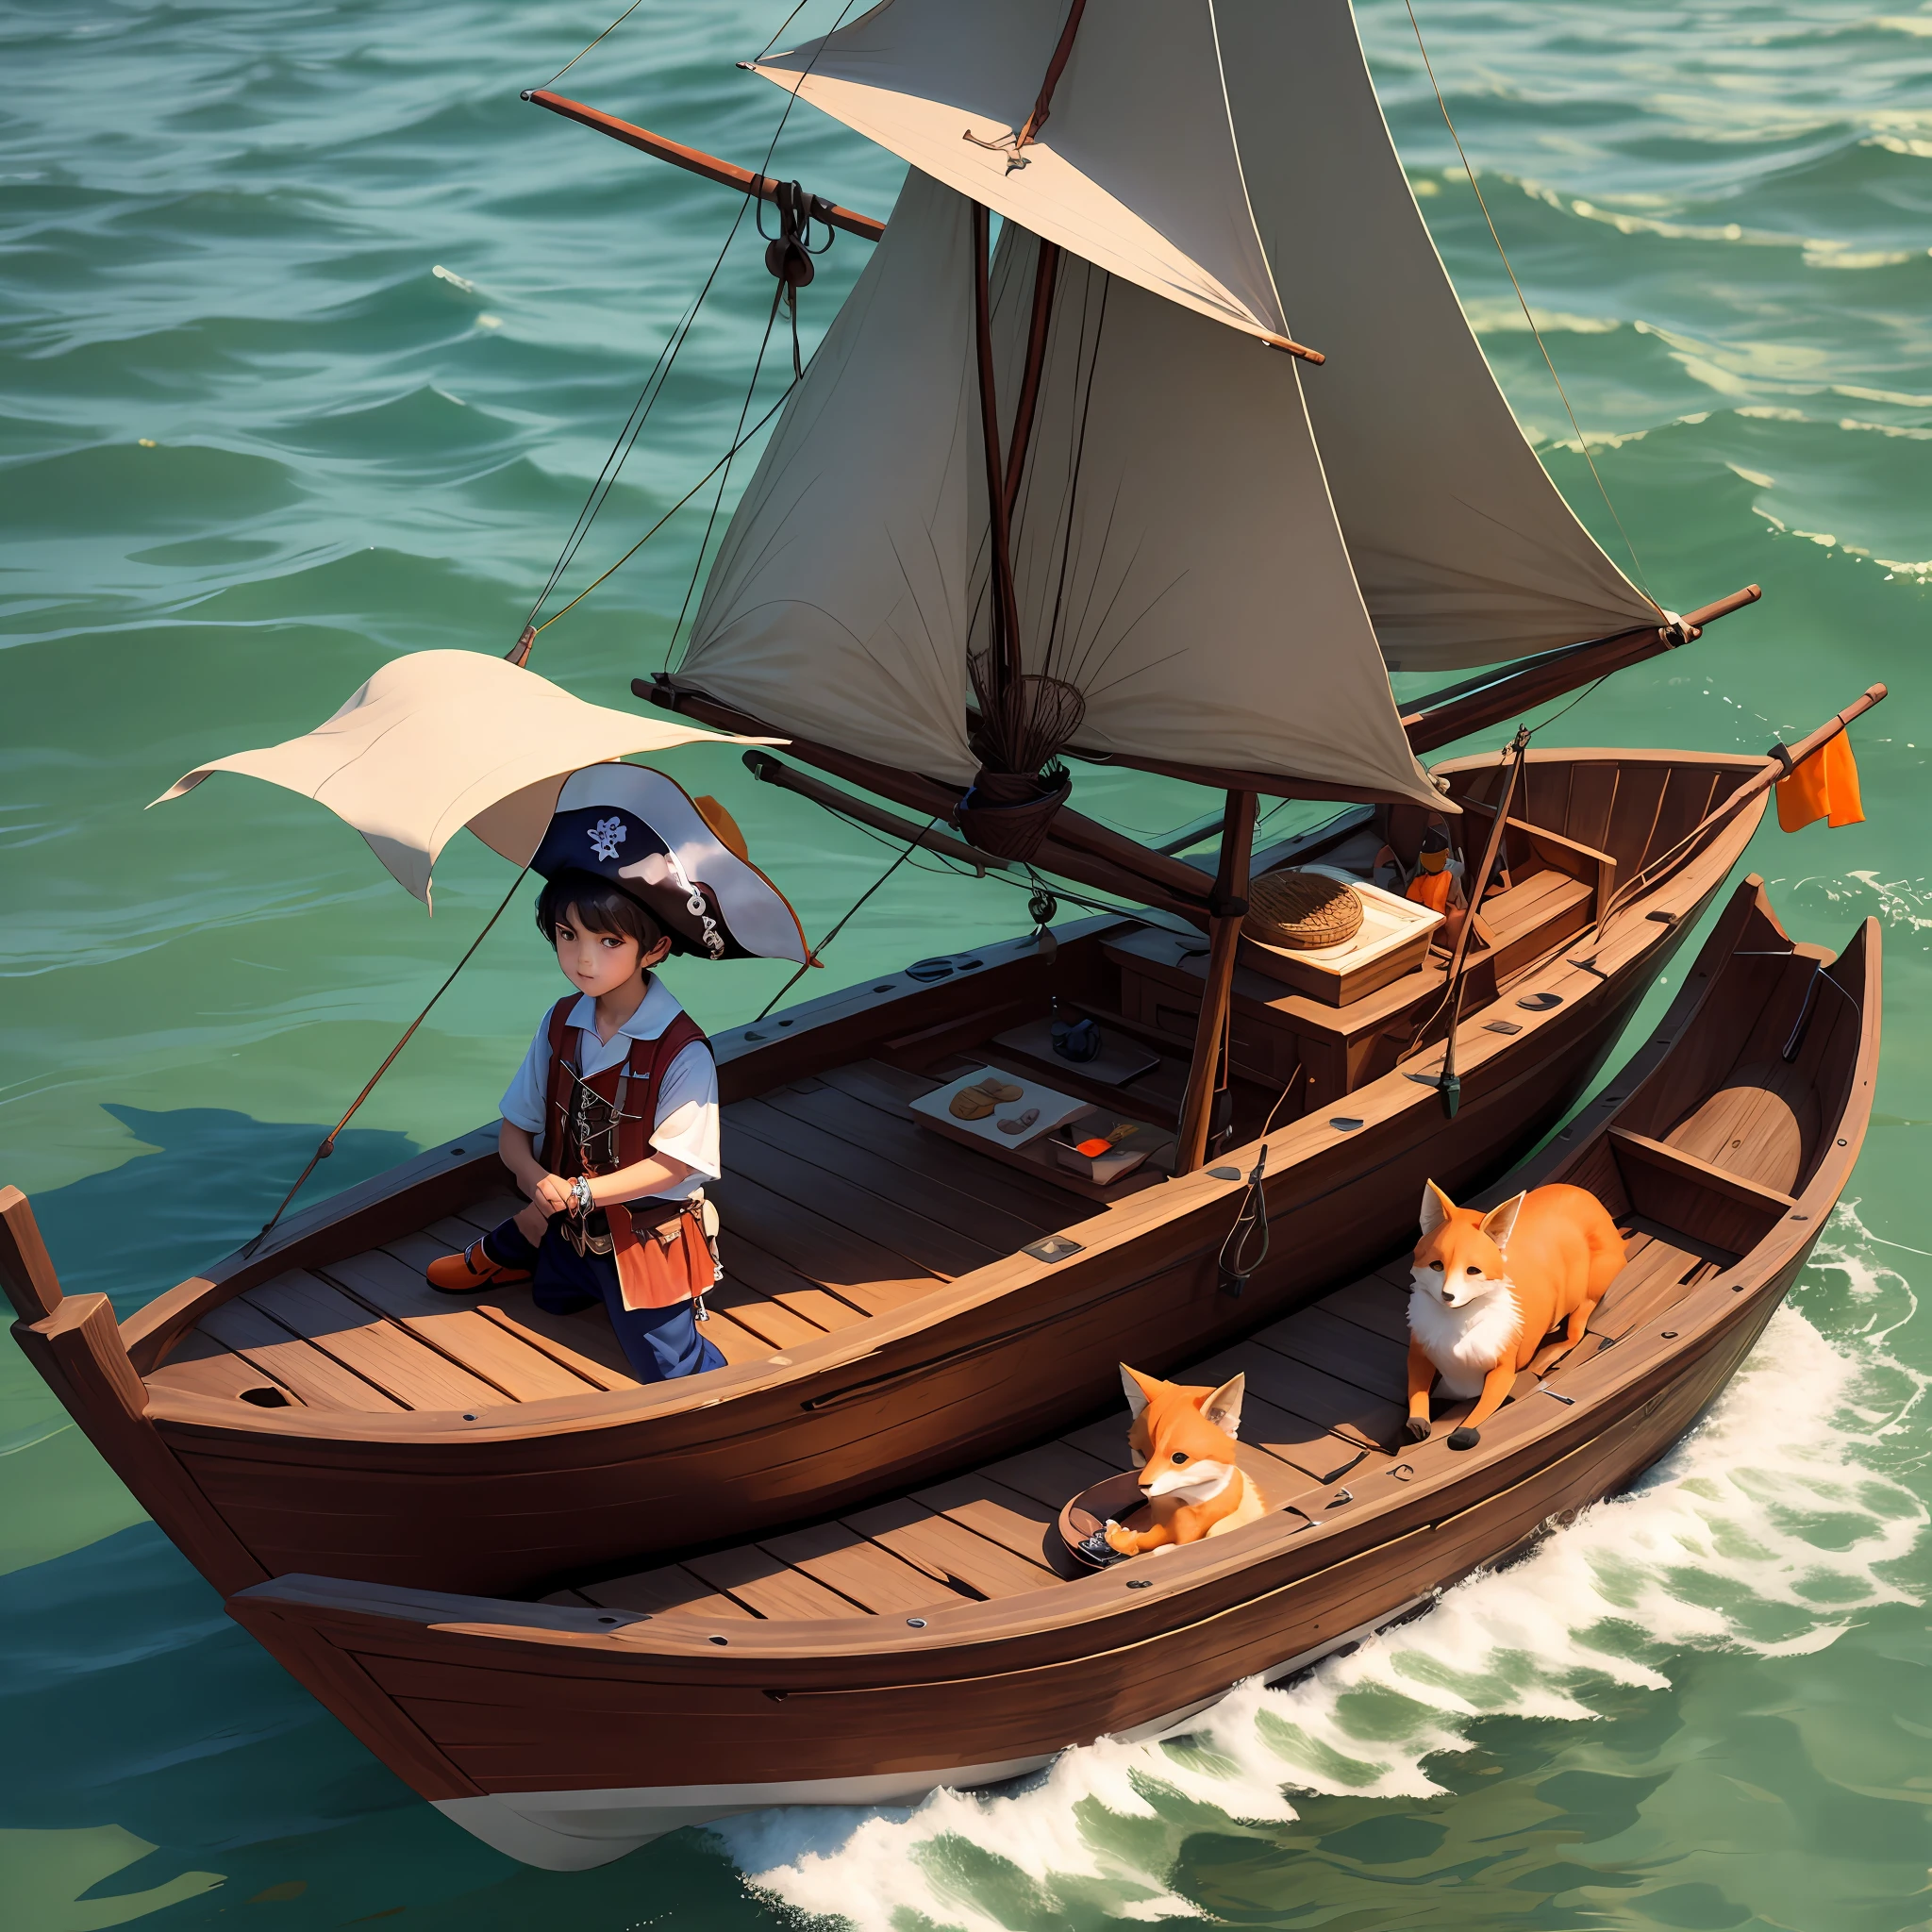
(1772, 1529)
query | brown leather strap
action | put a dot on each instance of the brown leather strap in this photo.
(556, 1093)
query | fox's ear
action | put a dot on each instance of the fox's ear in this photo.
(1223, 1406)
(1437, 1208)
(1140, 1389)
(1499, 1223)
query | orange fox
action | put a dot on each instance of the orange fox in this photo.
(1189, 1474)
(1489, 1287)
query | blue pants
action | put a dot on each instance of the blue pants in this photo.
(660, 1343)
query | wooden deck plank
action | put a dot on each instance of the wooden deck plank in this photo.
(845, 1561)
(989, 1510)
(906, 1164)
(1104, 1441)
(1341, 1349)
(588, 1350)
(1377, 1304)
(853, 1267)
(1654, 1278)
(377, 1349)
(318, 1380)
(768, 1588)
(1314, 1455)
(734, 1341)
(1051, 1472)
(945, 1551)
(203, 1366)
(897, 1221)
(386, 1281)
(771, 1321)
(745, 1262)
(1345, 1410)
(669, 1591)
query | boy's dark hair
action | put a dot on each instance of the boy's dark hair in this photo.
(600, 908)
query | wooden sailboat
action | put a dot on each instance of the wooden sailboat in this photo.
(939, 1635)
(1072, 502)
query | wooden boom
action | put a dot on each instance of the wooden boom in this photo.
(695, 160)
(1454, 712)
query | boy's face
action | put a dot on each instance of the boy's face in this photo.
(600, 962)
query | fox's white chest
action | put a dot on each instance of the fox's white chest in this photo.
(1465, 1344)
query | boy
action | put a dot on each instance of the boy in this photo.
(610, 1126)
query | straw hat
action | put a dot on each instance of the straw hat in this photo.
(1301, 911)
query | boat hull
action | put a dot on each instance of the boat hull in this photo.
(568, 1734)
(509, 1497)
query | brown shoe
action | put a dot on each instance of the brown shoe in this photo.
(470, 1272)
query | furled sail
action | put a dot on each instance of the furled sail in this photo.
(1230, 157)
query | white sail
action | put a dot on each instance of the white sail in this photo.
(1175, 554)
(1175, 550)
(838, 598)
(1230, 157)
(1465, 550)
(1136, 168)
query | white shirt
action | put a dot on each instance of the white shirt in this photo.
(685, 1124)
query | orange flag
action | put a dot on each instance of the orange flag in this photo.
(1825, 785)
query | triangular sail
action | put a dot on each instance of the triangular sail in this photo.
(1230, 157)
(1135, 168)
(1465, 550)
(1176, 554)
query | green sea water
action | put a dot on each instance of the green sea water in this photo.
(313, 337)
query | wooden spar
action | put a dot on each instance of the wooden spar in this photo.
(1106, 861)
(1780, 761)
(1454, 712)
(1046, 272)
(695, 161)
(1229, 902)
(1062, 53)
(769, 771)
(1270, 784)
(1004, 658)
(1045, 269)
(1448, 1084)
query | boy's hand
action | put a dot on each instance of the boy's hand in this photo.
(552, 1192)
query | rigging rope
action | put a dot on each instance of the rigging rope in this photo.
(664, 519)
(723, 468)
(910, 848)
(619, 455)
(1582, 442)
(327, 1144)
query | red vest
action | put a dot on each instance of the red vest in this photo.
(600, 1125)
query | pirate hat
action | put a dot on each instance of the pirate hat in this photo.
(684, 865)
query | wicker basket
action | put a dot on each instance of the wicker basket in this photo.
(1301, 910)
(1008, 814)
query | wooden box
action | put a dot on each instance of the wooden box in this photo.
(1394, 938)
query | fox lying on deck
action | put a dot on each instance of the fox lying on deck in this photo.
(1189, 1474)
(1489, 1287)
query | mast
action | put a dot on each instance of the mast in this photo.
(1207, 1071)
